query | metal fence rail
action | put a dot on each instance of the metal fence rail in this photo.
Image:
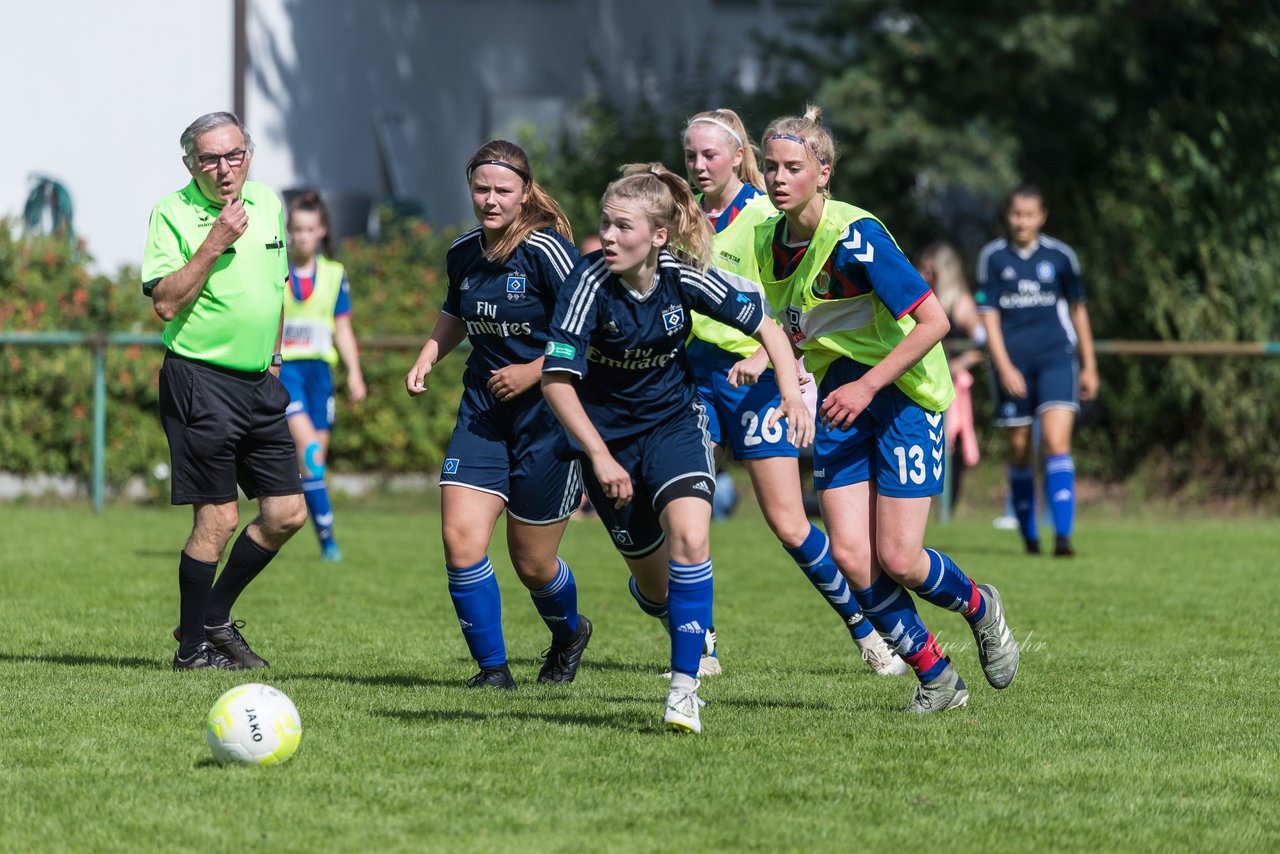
(98, 342)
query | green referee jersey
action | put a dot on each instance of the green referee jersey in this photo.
(234, 320)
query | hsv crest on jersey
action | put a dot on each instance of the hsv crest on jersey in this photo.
(1046, 272)
(516, 286)
(673, 318)
(451, 466)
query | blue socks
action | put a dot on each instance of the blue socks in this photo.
(478, 604)
(557, 603)
(889, 608)
(1060, 489)
(947, 587)
(814, 558)
(1022, 487)
(657, 610)
(321, 512)
(689, 597)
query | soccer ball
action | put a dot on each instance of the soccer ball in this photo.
(254, 724)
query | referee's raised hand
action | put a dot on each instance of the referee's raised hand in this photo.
(230, 224)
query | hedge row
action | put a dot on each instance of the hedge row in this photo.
(46, 392)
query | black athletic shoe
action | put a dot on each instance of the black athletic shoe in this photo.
(493, 677)
(204, 658)
(227, 640)
(1033, 546)
(561, 663)
(1062, 547)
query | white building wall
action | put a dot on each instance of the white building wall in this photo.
(460, 72)
(95, 96)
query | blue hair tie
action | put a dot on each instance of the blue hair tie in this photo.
(803, 142)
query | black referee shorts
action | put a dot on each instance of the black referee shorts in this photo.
(225, 428)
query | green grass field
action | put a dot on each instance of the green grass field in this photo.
(1144, 715)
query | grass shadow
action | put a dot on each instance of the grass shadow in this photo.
(589, 664)
(69, 660)
(623, 723)
(395, 680)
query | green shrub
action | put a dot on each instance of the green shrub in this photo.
(46, 411)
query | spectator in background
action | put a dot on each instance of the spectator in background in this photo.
(1031, 300)
(317, 330)
(215, 269)
(940, 266)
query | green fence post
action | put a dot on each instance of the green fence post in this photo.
(99, 344)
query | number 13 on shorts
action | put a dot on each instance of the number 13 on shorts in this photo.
(922, 464)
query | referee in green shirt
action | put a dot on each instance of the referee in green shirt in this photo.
(215, 268)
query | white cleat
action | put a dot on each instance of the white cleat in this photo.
(682, 710)
(882, 660)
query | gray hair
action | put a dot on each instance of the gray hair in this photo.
(208, 122)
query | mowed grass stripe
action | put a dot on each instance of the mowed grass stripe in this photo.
(1142, 717)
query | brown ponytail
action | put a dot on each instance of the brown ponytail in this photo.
(538, 210)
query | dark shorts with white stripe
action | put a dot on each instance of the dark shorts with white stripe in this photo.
(670, 462)
(509, 450)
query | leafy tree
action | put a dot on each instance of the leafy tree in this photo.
(1151, 129)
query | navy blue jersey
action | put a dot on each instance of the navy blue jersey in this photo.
(1031, 292)
(629, 350)
(506, 307)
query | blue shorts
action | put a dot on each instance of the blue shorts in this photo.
(310, 385)
(738, 415)
(670, 462)
(895, 440)
(509, 450)
(1053, 382)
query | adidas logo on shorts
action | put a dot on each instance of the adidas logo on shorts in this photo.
(701, 486)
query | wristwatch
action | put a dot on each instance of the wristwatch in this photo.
(276, 360)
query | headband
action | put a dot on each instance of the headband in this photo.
(733, 133)
(805, 143)
(476, 164)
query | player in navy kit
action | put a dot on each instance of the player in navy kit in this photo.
(737, 386)
(617, 376)
(1032, 304)
(504, 276)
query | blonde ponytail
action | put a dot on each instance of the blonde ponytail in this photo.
(668, 202)
(730, 123)
(807, 130)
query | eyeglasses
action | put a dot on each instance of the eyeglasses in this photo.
(209, 162)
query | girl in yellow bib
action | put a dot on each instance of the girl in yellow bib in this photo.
(869, 328)
(737, 386)
(317, 331)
